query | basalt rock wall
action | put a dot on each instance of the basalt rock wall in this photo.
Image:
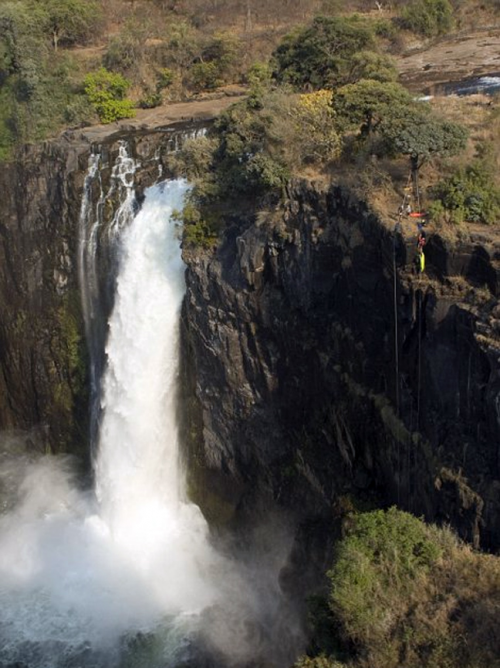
(326, 373)
(44, 358)
(319, 371)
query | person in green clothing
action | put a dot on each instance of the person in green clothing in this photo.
(420, 260)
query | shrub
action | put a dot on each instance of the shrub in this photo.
(164, 78)
(152, 100)
(198, 231)
(403, 593)
(317, 136)
(78, 110)
(106, 92)
(121, 54)
(205, 76)
(470, 194)
(428, 17)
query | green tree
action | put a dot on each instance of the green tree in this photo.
(371, 65)
(367, 103)
(319, 55)
(71, 21)
(418, 133)
(106, 92)
(33, 91)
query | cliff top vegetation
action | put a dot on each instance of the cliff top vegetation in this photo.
(322, 79)
(404, 593)
(52, 50)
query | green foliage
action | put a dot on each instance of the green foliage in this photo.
(164, 78)
(403, 593)
(125, 53)
(249, 157)
(205, 76)
(106, 92)
(183, 46)
(470, 194)
(70, 21)
(371, 65)
(383, 549)
(320, 54)
(428, 17)
(78, 110)
(418, 133)
(259, 79)
(199, 230)
(223, 50)
(151, 100)
(217, 64)
(368, 102)
(377, 564)
(121, 54)
(33, 90)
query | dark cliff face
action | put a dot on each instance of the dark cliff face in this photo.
(304, 399)
(44, 358)
(298, 395)
(41, 375)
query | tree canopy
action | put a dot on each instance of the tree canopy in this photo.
(319, 55)
(418, 133)
(368, 102)
(70, 21)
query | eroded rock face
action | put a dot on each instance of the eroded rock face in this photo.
(44, 359)
(302, 399)
(302, 390)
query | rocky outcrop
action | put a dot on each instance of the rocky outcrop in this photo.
(44, 359)
(318, 370)
(322, 378)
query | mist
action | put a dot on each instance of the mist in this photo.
(127, 573)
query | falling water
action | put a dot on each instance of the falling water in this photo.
(81, 573)
(124, 575)
(90, 255)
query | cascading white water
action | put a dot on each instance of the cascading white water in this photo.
(83, 575)
(137, 473)
(78, 573)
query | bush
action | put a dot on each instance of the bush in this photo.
(151, 100)
(428, 17)
(403, 593)
(164, 78)
(317, 137)
(121, 54)
(468, 195)
(106, 92)
(198, 231)
(205, 76)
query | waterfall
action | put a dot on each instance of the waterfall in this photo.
(138, 486)
(91, 251)
(125, 575)
(81, 573)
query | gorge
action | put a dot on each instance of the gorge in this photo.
(316, 370)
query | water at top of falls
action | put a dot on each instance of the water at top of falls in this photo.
(79, 572)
